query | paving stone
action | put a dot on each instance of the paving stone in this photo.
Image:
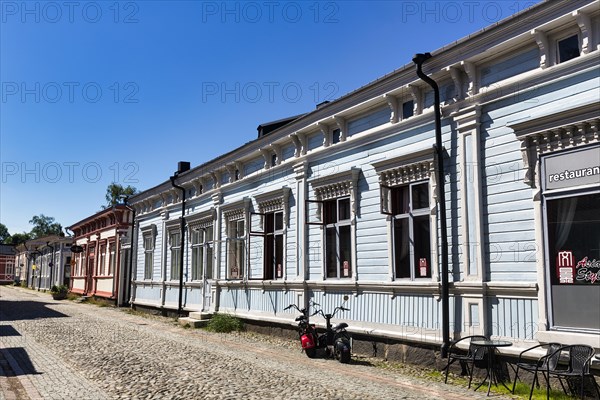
(82, 351)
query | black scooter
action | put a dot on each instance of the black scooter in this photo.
(335, 340)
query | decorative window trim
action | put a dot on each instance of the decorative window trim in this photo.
(336, 185)
(410, 168)
(200, 220)
(564, 130)
(275, 201)
(237, 210)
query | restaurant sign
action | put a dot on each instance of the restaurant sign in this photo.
(572, 169)
(582, 272)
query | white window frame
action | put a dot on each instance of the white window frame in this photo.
(174, 243)
(148, 235)
(338, 186)
(112, 257)
(410, 217)
(414, 168)
(202, 252)
(101, 266)
(235, 214)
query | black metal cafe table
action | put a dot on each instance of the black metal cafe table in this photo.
(491, 374)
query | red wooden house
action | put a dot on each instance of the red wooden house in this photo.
(102, 251)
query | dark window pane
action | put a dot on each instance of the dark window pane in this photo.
(330, 211)
(400, 198)
(336, 136)
(344, 209)
(279, 256)
(401, 248)
(331, 263)
(422, 247)
(420, 196)
(209, 263)
(573, 236)
(345, 253)
(269, 222)
(408, 108)
(568, 48)
(269, 257)
(278, 221)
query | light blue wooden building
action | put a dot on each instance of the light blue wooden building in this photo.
(342, 201)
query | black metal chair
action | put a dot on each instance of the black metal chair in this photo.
(580, 357)
(540, 365)
(475, 354)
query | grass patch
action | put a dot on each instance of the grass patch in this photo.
(224, 323)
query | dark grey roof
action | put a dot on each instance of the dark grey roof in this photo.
(7, 249)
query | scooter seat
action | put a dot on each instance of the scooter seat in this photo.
(340, 326)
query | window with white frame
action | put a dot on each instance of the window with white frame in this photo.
(112, 257)
(411, 231)
(267, 235)
(202, 251)
(266, 245)
(406, 184)
(334, 210)
(148, 256)
(236, 248)
(102, 260)
(148, 242)
(175, 253)
(338, 242)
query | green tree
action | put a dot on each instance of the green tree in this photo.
(18, 238)
(4, 235)
(116, 192)
(44, 226)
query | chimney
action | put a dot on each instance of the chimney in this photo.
(183, 166)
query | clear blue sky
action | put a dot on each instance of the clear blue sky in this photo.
(94, 92)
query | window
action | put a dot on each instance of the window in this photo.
(409, 206)
(236, 248)
(338, 241)
(102, 260)
(148, 256)
(112, 258)
(568, 48)
(335, 210)
(336, 136)
(202, 253)
(175, 246)
(408, 109)
(269, 228)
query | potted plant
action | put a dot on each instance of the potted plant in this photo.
(59, 292)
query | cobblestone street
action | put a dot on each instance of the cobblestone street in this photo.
(58, 350)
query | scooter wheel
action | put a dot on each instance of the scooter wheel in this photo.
(344, 357)
(311, 353)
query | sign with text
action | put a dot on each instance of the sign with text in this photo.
(572, 169)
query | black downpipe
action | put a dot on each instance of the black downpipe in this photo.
(126, 300)
(182, 246)
(419, 59)
(51, 265)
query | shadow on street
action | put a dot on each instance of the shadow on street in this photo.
(21, 365)
(24, 310)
